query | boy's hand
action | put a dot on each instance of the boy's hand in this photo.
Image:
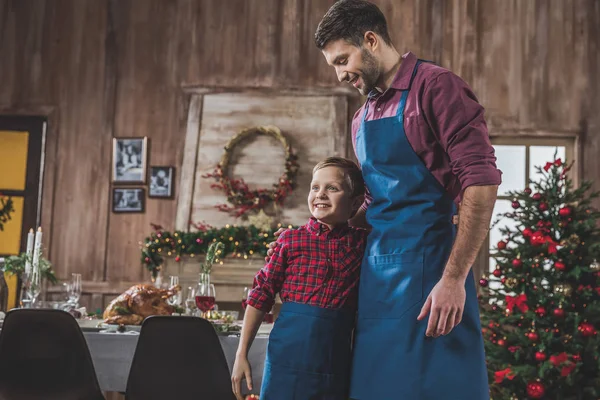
(272, 244)
(241, 370)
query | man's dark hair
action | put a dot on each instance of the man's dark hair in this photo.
(349, 20)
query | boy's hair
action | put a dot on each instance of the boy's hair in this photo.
(352, 173)
(349, 20)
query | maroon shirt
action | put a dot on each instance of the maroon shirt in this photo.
(312, 265)
(443, 122)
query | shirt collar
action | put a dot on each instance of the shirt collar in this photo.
(403, 75)
(317, 228)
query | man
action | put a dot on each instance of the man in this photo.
(423, 146)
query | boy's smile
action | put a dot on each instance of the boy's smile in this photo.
(329, 198)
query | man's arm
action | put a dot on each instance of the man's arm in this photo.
(473, 225)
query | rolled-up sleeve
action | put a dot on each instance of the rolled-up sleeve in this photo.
(457, 119)
(269, 280)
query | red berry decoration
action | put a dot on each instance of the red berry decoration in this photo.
(497, 272)
(537, 196)
(543, 206)
(576, 357)
(560, 266)
(501, 342)
(586, 329)
(517, 263)
(564, 212)
(559, 312)
(502, 245)
(177, 259)
(527, 232)
(516, 204)
(535, 390)
(527, 190)
(532, 336)
(541, 311)
(483, 282)
(540, 356)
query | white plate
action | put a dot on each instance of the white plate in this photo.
(114, 328)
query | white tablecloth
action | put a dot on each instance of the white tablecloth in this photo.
(112, 354)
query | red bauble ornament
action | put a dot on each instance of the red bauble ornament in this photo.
(517, 263)
(541, 311)
(147, 259)
(537, 239)
(540, 356)
(527, 190)
(543, 206)
(527, 232)
(177, 259)
(503, 280)
(483, 282)
(516, 204)
(501, 245)
(537, 196)
(535, 390)
(586, 329)
(497, 272)
(532, 336)
(564, 211)
(501, 342)
(559, 312)
(560, 266)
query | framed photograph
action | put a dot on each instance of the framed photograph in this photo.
(161, 182)
(128, 200)
(129, 160)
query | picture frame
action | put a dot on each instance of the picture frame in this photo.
(129, 160)
(161, 182)
(128, 200)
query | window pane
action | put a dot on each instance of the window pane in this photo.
(13, 158)
(540, 155)
(501, 207)
(511, 161)
(10, 237)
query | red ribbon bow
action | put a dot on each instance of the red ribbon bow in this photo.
(519, 301)
(506, 373)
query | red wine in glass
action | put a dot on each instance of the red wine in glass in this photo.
(205, 303)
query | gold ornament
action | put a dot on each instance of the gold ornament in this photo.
(595, 266)
(563, 288)
(574, 240)
(511, 283)
(261, 220)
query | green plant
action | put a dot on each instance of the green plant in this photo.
(16, 265)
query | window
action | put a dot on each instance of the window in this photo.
(517, 159)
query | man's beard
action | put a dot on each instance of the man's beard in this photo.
(370, 72)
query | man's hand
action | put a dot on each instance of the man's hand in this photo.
(272, 244)
(445, 304)
(241, 370)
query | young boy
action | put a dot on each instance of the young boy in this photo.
(315, 269)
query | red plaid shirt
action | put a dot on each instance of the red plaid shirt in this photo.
(312, 265)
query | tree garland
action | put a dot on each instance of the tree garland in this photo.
(6, 207)
(239, 195)
(240, 242)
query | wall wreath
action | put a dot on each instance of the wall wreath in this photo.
(241, 198)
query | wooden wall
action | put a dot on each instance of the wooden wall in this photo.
(105, 68)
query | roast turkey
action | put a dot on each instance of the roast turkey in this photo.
(139, 302)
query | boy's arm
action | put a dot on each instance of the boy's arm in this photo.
(360, 219)
(253, 317)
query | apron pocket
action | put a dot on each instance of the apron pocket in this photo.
(390, 285)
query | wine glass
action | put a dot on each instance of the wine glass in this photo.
(205, 298)
(75, 290)
(34, 287)
(190, 301)
(175, 300)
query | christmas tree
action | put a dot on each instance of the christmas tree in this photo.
(541, 305)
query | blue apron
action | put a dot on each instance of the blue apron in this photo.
(309, 354)
(411, 216)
